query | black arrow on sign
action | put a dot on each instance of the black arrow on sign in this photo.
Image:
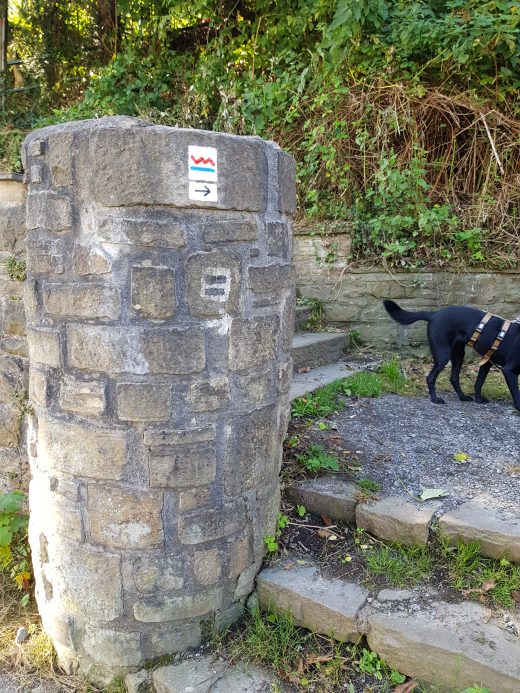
(206, 191)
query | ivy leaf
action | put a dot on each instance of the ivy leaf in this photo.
(5, 536)
(428, 493)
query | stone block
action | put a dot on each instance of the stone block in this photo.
(61, 515)
(144, 401)
(158, 573)
(48, 211)
(13, 322)
(153, 292)
(208, 525)
(113, 648)
(38, 393)
(162, 177)
(146, 227)
(252, 341)
(44, 347)
(12, 227)
(45, 254)
(396, 519)
(160, 642)
(209, 395)
(184, 606)
(330, 496)
(15, 345)
(174, 351)
(83, 397)
(271, 278)
(182, 466)
(88, 260)
(278, 240)
(76, 569)
(9, 426)
(287, 183)
(251, 451)
(498, 536)
(327, 606)
(60, 159)
(124, 519)
(212, 284)
(81, 301)
(80, 450)
(229, 230)
(252, 388)
(108, 349)
(193, 498)
(187, 436)
(456, 649)
(207, 566)
(240, 556)
(137, 682)
(12, 192)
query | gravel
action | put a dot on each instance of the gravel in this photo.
(410, 442)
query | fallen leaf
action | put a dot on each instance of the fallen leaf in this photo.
(428, 493)
(516, 595)
(406, 687)
(304, 370)
(326, 534)
(313, 658)
(488, 585)
(326, 519)
(460, 457)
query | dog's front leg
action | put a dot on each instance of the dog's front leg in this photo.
(481, 377)
(512, 384)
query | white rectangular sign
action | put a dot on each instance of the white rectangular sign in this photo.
(207, 192)
(202, 163)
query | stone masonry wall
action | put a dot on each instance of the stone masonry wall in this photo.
(352, 298)
(159, 328)
(14, 364)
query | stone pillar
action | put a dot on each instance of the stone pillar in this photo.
(160, 311)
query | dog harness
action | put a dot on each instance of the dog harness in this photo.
(498, 339)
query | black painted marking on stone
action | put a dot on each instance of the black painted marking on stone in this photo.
(216, 279)
(215, 292)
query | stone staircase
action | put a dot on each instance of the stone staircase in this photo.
(321, 352)
(451, 645)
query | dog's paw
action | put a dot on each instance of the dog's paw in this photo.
(481, 400)
(438, 400)
(466, 398)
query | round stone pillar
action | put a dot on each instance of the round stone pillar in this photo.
(160, 301)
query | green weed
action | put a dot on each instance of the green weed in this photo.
(400, 565)
(14, 548)
(368, 487)
(315, 459)
(270, 541)
(321, 403)
(16, 268)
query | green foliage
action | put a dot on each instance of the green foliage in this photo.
(400, 565)
(270, 541)
(322, 402)
(315, 321)
(16, 268)
(14, 550)
(368, 486)
(363, 384)
(315, 459)
(10, 144)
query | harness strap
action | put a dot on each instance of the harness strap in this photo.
(478, 329)
(498, 340)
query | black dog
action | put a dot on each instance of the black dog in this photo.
(449, 330)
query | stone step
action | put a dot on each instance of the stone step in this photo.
(397, 518)
(303, 383)
(311, 349)
(446, 644)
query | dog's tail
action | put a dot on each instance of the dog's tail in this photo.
(406, 317)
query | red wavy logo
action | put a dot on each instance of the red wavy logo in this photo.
(201, 159)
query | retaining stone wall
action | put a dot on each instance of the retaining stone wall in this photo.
(159, 331)
(14, 365)
(352, 298)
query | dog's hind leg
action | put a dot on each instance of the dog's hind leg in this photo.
(440, 359)
(512, 384)
(457, 357)
(481, 377)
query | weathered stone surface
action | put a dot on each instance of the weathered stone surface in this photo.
(207, 566)
(135, 350)
(82, 301)
(13, 319)
(203, 675)
(252, 341)
(279, 240)
(48, 211)
(474, 520)
(167, 641)
(90, 260)
(322, 605)
(456, 649)
(193, 498)
(44, 347)
(187, 436)
(203, 526)
(250, 451)
(155, 572)
(12, 192)
(227, 230)
(62, 515)
(137, 682)
(252, 387)
(287, 182)
(271, 277)
(153, 292)
(312, 349)
(12, 227)
(9, 426)
(113, 648)
(45, 253)
(327, 495)
(145, 227)
(124, 519)
(37, 388)
(176, 608)
(17, 346)
(209, 395)
(151, 401)
(182, 466)
(82, 396)
(101, 454)
(212, 283)
(396, 519)
(60, 160)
